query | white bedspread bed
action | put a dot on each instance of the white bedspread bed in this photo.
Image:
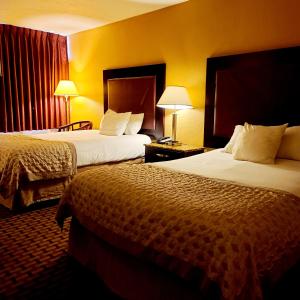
(94, 148)
(283, 175)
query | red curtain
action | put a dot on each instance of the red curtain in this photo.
(31, 64)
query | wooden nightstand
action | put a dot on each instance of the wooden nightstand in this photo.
(159, 152)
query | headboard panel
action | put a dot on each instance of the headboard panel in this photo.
(137, 89)
(258, 88)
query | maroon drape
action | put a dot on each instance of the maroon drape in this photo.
(32, 63)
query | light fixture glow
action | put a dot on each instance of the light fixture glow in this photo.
(66, 88)
(175, 97)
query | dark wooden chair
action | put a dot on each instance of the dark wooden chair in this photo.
(80, 125)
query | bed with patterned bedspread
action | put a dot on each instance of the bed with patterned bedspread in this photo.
(238, 236)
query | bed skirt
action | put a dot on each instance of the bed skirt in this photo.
(36, 191)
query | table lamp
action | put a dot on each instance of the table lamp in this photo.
(66, 88)
(175, 98)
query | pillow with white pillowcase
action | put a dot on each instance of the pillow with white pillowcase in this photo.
(114, 123)
(237, 130)
(135, 123)
(290, 144)
(257, 143)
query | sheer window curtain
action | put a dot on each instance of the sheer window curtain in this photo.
(32, 63)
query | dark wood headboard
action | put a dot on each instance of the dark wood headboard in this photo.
(258, 88)
(137, 89)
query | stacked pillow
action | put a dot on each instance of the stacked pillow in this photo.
(290, 144)
(135, 123)
(117, 124)
(237, 130)
(262, 144)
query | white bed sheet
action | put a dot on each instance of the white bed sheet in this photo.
(94, 148)
(283, 175)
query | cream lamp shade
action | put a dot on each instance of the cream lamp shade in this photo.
(66, 88)
(175, 97)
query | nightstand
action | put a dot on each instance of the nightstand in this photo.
(159, 152)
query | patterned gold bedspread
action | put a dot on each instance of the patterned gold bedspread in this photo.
(239, 235)
(23, 158)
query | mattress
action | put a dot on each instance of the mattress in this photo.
(94, 148)
(284, 175)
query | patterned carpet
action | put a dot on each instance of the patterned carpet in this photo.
(34, 263)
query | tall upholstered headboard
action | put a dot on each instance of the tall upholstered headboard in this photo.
(258, 88)
(137, 89)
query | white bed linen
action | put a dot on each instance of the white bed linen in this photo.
(94, 148)
(283, 175)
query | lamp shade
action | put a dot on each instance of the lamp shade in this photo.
(66, 88)
(175, 97)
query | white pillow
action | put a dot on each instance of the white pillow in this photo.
(258, 143)
(290, 144)
(237, 130)
(135, 123)
(114, 123)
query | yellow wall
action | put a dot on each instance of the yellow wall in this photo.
(182, 36)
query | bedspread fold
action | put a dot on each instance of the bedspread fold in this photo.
(239, 235)
(23, 159)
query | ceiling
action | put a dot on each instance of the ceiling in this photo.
(70, 16)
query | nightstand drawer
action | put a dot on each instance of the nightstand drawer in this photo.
(161, 155)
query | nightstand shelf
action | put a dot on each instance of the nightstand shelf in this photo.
(160, 152)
